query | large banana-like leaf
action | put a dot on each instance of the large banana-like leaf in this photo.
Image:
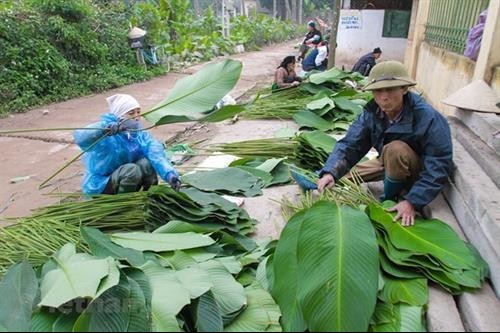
(169, 296)
(409, 291)
(196, 94)
(102, 247)
(398, 318)
(285, 267)
(338, 268)
(228, 293)
(431, 237)
(207, 314)
(18, 290)
(312, 120)
(77, 275)
(261, 315)
(158, 242)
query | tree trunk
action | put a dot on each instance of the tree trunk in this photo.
(301, 5)
(294, 11)
(274, 9)
(333, 35)
(288, 11)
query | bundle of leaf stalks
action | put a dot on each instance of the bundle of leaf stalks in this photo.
(308, 149)
(36, 237)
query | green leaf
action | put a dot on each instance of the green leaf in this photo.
(108, 313)
(432, 237)
(195, 280)
(207, 314)
(228, 293)
(261, 315)
(232, 265)
(405, 318)
(311, 120)
(169, 296)
(232, 181)
(18, 290)
(197, 93)
(226, 112)
(102, 247)
(337, 268)
(43, 320)
(321, 103)
(285, 267)
(331, 75)
(265, 177)
(346, 105)
(65, 322)
(76, 276)
(158, 242)
(409, 291)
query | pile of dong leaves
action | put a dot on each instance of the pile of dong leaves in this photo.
(308, 150)
(171, 280)
(351, 268)
(325, 101)
(38, 236)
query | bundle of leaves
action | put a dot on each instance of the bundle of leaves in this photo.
(162, 281)
(336, 225)
(324, 101)
(36, 237)
(309, 150)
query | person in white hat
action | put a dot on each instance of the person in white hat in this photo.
(411, 137)
(127, 158)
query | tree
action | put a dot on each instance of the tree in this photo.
(333, 35)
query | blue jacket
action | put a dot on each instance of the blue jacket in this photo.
(424, 129)
(114, 151)
(365, 64)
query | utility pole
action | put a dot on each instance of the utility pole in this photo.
(333, 34)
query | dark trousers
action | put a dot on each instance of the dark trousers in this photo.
(131, 177)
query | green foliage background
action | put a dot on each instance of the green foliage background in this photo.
(53, 50)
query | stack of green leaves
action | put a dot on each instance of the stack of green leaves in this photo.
(430, 248)
(309, 150)
(313, 149)
(194, 206)
(273, 171)
(36, 237)
(139, 282)
(230, 181)
(325, 270)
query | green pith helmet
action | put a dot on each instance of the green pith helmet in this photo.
(388, 74)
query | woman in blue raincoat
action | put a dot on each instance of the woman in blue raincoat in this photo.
(128, 158)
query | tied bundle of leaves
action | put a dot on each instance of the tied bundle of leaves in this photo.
(309, 150)
(141, 282)
(37, 237)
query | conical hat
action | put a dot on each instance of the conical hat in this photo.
(476, 96)
(136, 32)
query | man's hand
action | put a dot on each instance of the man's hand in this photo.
(174, 182)
(326, 181)
(406, 212)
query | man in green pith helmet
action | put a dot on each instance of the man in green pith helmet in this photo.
(412, 138)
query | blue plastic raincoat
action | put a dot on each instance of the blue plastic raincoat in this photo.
(116, 150)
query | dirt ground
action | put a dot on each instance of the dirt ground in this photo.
(30, 158)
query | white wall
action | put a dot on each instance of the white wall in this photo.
(353, 43)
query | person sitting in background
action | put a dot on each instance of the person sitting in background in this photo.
(127, 158)
(317, 58)
(313, 37)
(285, 75)
(365, 64)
